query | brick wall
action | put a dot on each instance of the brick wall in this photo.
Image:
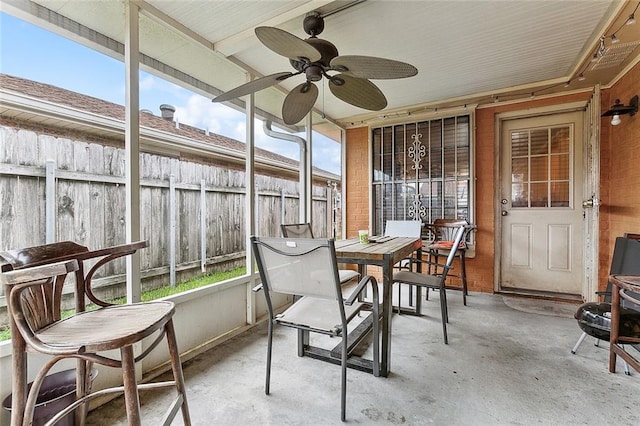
(620, 171)
(619, 168)
(356, 180)
(480, 270)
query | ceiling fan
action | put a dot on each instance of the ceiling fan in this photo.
(315, 58)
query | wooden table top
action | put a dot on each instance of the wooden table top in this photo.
(628, 282)
(398, 248)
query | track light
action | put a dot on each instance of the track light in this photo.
(602, 49)
(618, 109)
(631, 19)
(614, 39)
(581, 77)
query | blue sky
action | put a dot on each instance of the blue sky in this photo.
(34, 53)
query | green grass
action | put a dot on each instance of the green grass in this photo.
(197, 282)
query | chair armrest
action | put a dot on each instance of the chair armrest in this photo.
(116, 251)
(27, 276)
(105, 256)
(428, 262)
(360, 287)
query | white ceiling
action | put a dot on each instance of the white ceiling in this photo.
(465, 51)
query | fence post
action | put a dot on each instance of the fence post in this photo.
(282, 206)
(203, 227)
(172, 230)
(50, 201)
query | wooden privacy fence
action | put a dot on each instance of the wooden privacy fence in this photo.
(192, 213)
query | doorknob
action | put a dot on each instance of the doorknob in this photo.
(591, 202)
(504, 213)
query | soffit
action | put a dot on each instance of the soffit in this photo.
(465, 51)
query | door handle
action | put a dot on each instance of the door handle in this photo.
(504, 213)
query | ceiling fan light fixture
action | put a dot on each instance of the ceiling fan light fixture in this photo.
(313, 73)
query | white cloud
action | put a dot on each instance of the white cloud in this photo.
(200, 112)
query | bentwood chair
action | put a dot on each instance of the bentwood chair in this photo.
(403, 228)
(442, 235)
(308, 267)
(594, 318)
(303, 230)
(33, 279)
(437, 279)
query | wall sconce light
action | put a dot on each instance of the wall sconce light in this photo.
(619, 109)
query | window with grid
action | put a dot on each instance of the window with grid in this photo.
(422, 171)
(541, 167)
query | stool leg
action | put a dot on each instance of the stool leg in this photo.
(19, 377)
(83, 388)
(176, 366)
(132, 400)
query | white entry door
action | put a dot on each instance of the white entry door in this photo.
(541, 204)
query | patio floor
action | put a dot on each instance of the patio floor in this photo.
(508, 362)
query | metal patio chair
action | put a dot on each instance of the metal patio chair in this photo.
(435, 278)
(443, 233)
(308, 267)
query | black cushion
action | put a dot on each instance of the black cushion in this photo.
(595, 320)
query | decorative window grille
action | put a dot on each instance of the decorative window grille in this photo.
(422, 171)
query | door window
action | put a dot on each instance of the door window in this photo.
(541, 167)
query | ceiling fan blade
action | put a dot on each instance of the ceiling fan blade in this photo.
(253, 86)
(357, 91)
(299, 102)
(372, 67)
(286, 44)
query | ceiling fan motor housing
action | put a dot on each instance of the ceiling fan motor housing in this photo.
(313, 24)
(327, 49)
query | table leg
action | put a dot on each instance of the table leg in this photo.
(615, 326)
(387, 312)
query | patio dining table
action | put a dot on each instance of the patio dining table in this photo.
(384, 254)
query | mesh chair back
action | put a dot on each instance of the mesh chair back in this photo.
(403, 228)
(297, 230)
(625, 261)
(305, 267)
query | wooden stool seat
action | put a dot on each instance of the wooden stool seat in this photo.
(107, 328)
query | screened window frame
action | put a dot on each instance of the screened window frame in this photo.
(404, 179)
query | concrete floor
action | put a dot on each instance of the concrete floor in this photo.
(508, 362)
